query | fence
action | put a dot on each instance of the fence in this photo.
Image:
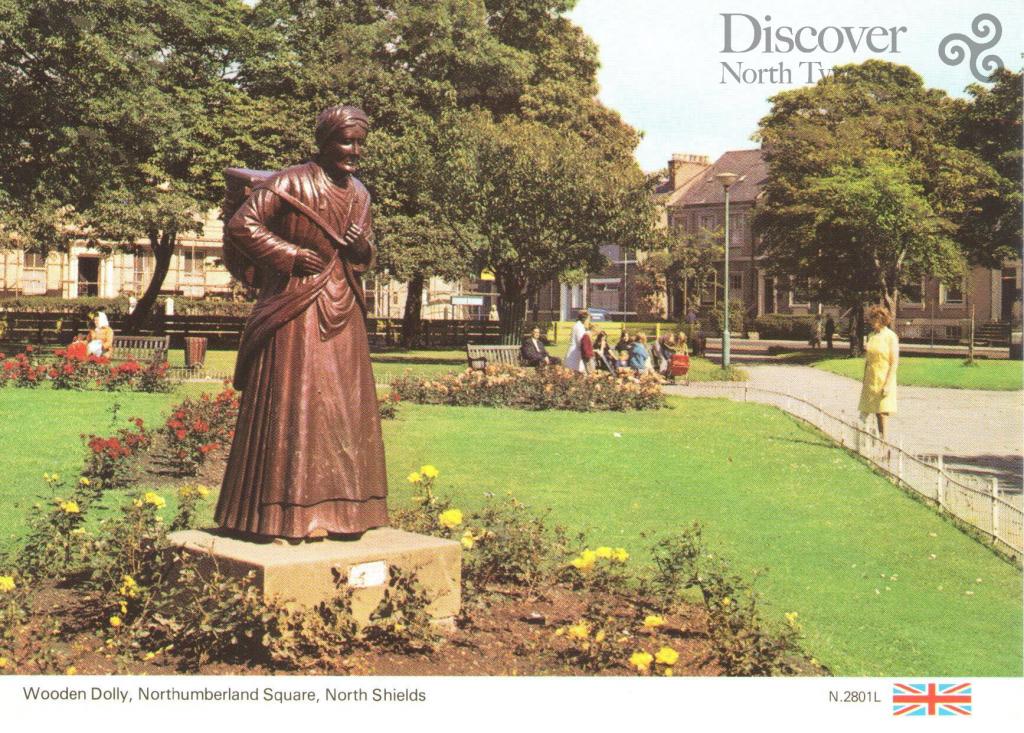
(974, 500)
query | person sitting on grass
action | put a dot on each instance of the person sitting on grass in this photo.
(624, 341)
(666, 349)
(639, 358)
(603, 352)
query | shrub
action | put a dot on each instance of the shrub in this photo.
(400, 621)
(550, 388)
(716, 316)
(117, 307)
(56, 543)
(788, 327)
(68, 371)
(189, 498)
(388, 406)
(24, 370)
(198, 427)
(113, 461)
(14, 611)
(744, 644)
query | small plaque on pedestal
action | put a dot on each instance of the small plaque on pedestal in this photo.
(305, 572)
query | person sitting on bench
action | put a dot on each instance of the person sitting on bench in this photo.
(534, 353)
(101, 337)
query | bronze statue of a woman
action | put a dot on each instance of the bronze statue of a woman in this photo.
(307, 458)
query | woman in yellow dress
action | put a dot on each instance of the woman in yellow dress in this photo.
(881, 359)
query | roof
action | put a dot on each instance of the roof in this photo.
(750, 165)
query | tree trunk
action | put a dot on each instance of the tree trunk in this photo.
(412, 318)
(163, 249)
(856, 329)
(512, 303)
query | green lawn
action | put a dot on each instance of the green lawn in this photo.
(927, 371)
(883, 585)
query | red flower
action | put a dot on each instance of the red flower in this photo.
(181, 434)
(67, 369)
(29, 349)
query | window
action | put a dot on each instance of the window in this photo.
(33, 275)
(951, 294)
(913, 293)
(799, 292)
(708, 222)
(737, 230)
(194, 262)
(735, 283)
(142, 270)
(34, 261)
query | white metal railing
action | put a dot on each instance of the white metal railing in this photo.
(975, 500)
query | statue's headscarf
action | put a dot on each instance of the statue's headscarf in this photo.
(336, 118)
(102, 321)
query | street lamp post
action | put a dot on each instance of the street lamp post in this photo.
(727, 180)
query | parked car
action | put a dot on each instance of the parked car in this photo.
(599, 314)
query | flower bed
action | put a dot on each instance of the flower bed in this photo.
(198, 427)
(67, 370)
(551, 388)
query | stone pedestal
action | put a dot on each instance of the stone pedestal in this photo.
(305, 573)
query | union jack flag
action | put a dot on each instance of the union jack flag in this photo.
(931, 699)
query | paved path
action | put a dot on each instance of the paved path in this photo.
(976, 431)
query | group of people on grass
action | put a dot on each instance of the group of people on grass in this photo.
(591, 350)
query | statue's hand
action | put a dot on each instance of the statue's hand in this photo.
(353, 234)
(308, 262)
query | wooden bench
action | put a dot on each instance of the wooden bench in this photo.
(143, 349)
(491, 355)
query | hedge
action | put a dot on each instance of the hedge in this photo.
(119, 306)
(789, 327)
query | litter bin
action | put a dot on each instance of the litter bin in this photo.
(1016, 348)
(195, 351)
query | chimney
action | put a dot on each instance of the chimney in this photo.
(684, 166)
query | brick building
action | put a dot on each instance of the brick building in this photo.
(931, 308)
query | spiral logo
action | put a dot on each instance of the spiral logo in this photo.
(987, 31)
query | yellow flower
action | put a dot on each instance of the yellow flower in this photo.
(580, 630)
(3, 662)
(84, 481)
(414, 478)
(6, 583)
(599, 636)
(468, 540)
(667, 655)
(653, 621)
(69, 507)
(726, 601)
(129, 587)
(115, 621)
(151, 497)
(585, 561)
(619, 554)
(147, 656)
(429, 471)
(450, 518)
(603, 552)
(791, 618)
(641, 660)
(71, 670)
(667, 671)
(203, 491)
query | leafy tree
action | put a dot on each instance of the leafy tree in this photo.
(989, 124)
(867, 187)
(540, 202)
(684, 262)
(122, 115)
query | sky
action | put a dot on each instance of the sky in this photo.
(662, 60)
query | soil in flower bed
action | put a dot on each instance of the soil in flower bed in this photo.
(511, 635)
